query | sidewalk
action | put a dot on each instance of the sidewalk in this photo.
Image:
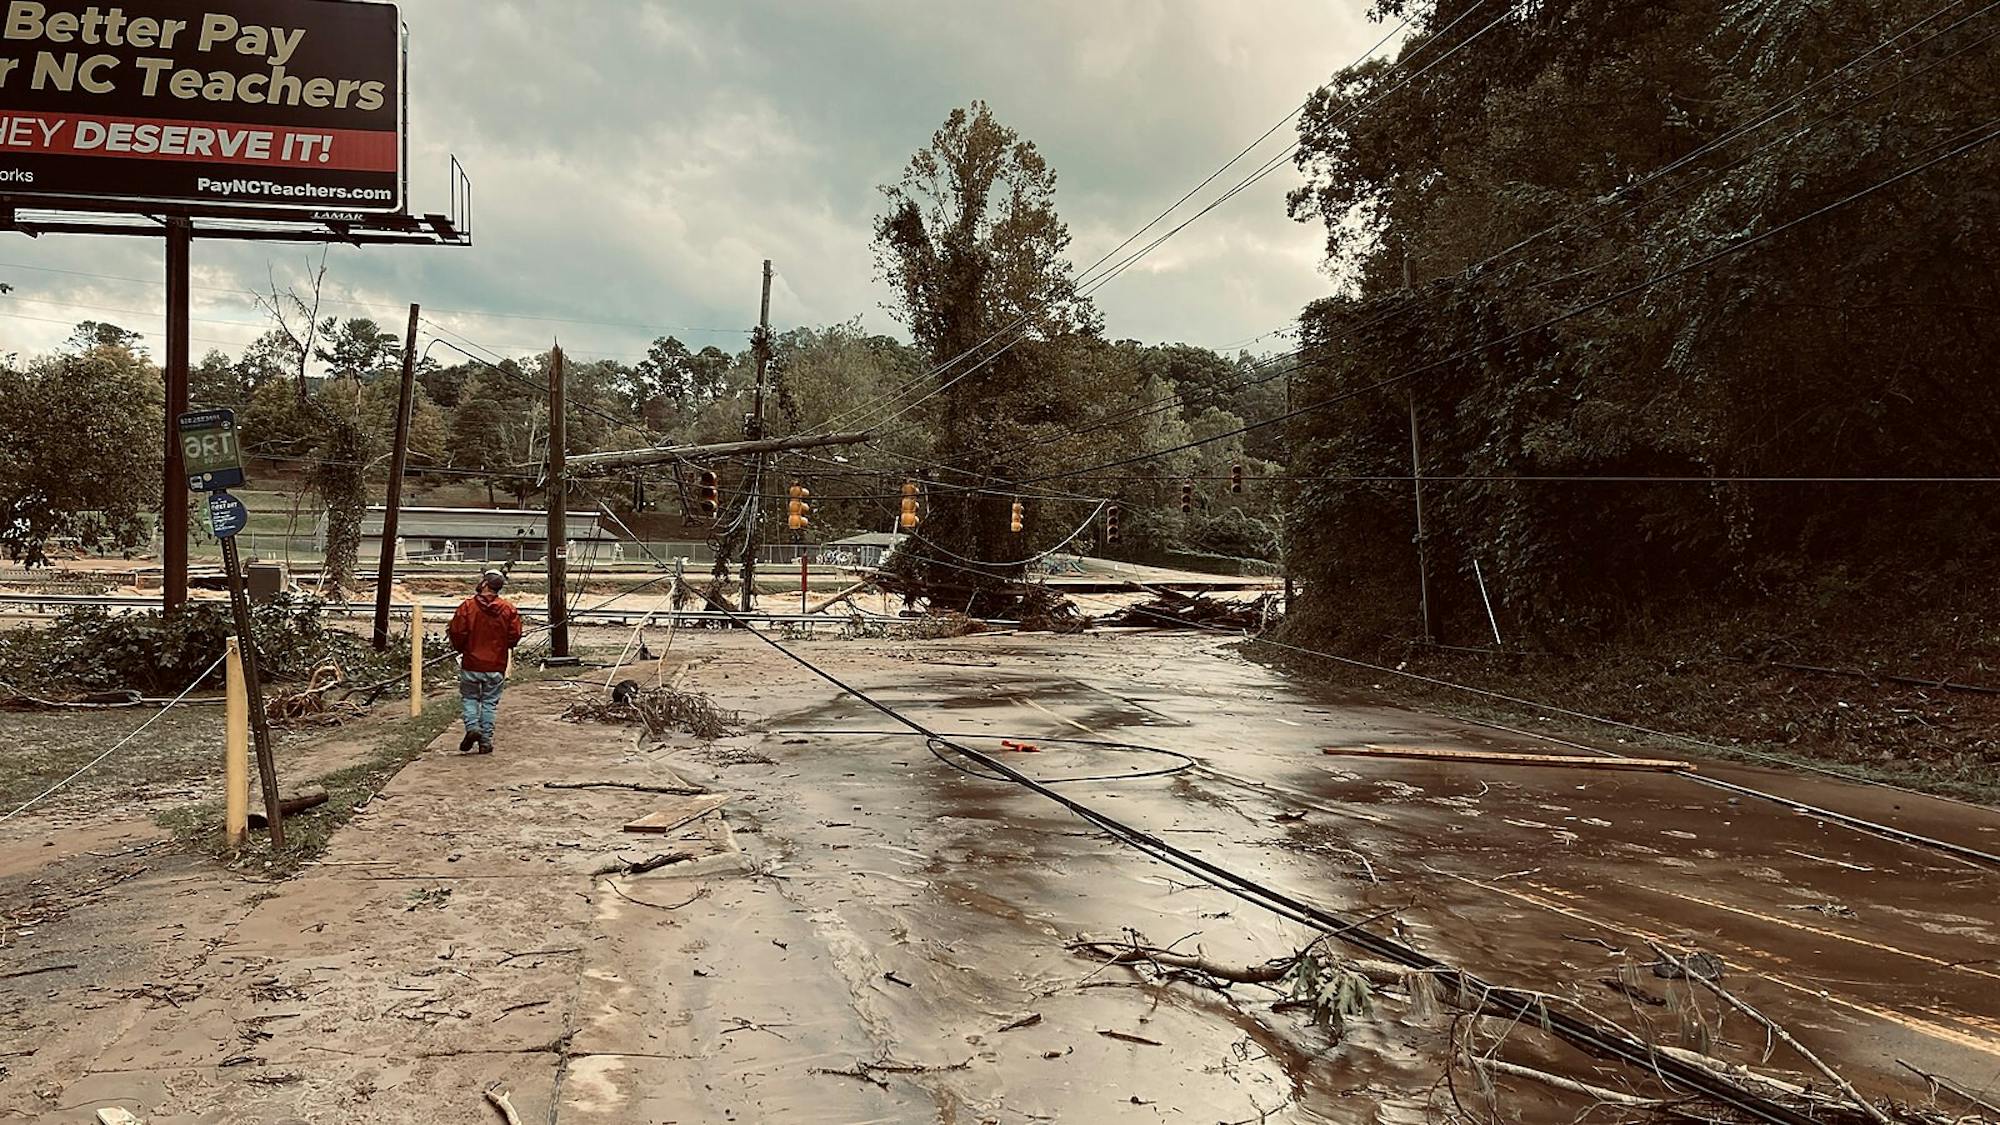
(453, 938)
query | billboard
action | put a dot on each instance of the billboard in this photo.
(202, 106)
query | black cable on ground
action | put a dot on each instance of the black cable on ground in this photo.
(1184, 762)
(1529, 1008)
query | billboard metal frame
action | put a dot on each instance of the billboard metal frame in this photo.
(178, 224)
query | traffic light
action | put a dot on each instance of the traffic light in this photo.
(1014, 524)
(910, 518)
(798, 512)
(1187, 498)
(1111, 524)
(1236, 477)
(638, 494)
(708, 499)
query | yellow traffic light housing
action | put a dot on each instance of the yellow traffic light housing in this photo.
(798, 512)
(909, 518)
(708, 498)
(1015, 523)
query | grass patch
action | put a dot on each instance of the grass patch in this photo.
(307, 834)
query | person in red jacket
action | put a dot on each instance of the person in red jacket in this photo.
(483, 631)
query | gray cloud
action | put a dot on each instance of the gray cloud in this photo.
(634, 162)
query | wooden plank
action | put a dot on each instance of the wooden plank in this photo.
(1496, 757)
(680, 813)
(116, 1116)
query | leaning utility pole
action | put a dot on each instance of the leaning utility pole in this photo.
(761, 349)
(558, 494)
(399, 453)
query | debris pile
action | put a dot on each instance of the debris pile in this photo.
(662, 710)
(1170, 609)
(1043, 610)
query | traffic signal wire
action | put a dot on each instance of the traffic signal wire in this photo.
(1087, 285)
(1095, 285)
(119, 745)
(1527, 1007)
(1770, 112)
(1988, 132)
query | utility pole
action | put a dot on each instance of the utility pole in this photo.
(1417, 489)
(762, 349)
(173, 497)
(385, 567)
(558, 502)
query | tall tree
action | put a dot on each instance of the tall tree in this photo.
(973, 249)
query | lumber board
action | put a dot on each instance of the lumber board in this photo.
(680, 813)
(1503, 758)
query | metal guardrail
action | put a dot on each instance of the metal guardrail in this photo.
(46, 603)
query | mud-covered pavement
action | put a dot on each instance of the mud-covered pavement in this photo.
(868, 934)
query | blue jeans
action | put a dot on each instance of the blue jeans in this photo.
(478, 697)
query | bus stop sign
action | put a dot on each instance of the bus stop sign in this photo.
(210, 453)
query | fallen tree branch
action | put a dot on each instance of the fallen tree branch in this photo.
(1379, 973)
(499, 1101)
(1731, 999)
(1940, 1082)
(671, 790)
(1557, 1081)
(32, 972)
(626, 867)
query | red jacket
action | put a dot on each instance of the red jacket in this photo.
(482, 632)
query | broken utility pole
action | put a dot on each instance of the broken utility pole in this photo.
(659, 453)
(399, 454)
(761, 347)
(558, 502)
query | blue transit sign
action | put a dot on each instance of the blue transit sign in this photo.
(211, 455)
(226, 515)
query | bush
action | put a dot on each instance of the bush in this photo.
(92, 649)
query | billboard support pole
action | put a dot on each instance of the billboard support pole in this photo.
(173, 495)
(385, 567)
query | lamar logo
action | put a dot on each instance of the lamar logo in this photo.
(337, 216)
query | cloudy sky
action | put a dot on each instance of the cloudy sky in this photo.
(634, 162)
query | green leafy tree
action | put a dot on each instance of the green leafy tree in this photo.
(973, 249)
(106, 400)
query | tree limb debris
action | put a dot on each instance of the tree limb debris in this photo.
(867, 1071)
(1595, 1093)
(628, 867)
(1939, 1082)
(670, 790)
(498, 1099)
(1770, 1025)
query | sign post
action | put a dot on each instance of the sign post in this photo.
(212, 457)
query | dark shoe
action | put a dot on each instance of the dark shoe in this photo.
(485, 746)
(470, 740)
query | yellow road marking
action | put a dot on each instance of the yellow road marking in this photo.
(1987, 1046)
(1052, 714)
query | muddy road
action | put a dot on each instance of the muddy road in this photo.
(868, 933)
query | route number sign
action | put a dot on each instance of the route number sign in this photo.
(210, 452)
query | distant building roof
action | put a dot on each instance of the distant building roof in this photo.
(869, 539)
(480, 523)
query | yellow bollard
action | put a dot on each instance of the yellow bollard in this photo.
(236, 750)
(416, 659)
